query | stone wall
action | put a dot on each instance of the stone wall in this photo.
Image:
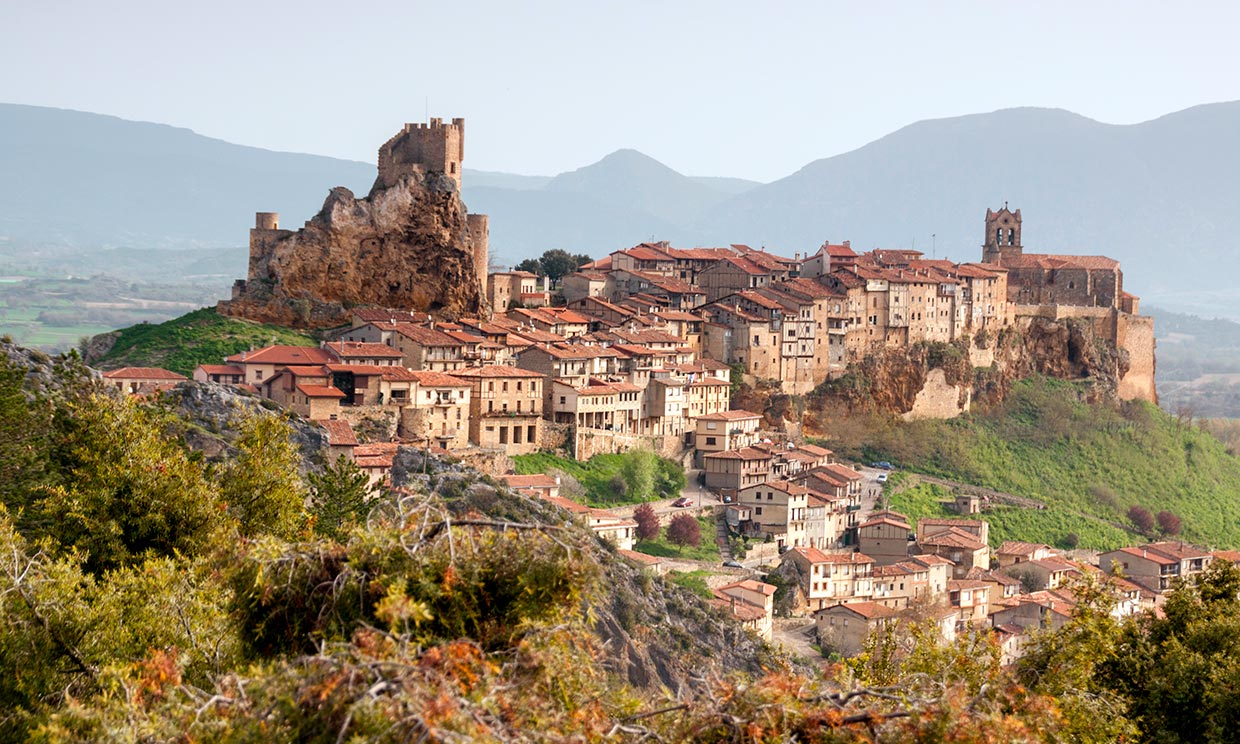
(1136, 336)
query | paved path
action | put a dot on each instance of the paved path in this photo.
(794, 635)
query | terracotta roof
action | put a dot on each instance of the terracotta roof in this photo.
(884, 520)
(747, 453)
(730, 415)
(347, 349)
(221, 369)
(1059, 261)
(304, 371)
(359, 370)
(495, 371)
(284, 355)
(339, 432)
(1012, 547)
(537, 480)
(428, 378)
(144, 373)
(425, 336)
(388, 315)
(953, 537)
(867, 610)
(814, 555)
(750, 585)
(959, 584)
(642, 558)
(319, 391)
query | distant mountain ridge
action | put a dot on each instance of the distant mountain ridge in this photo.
(1160, 195)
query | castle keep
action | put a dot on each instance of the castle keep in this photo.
(409, 243)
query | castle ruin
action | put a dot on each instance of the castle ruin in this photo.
(409, 243)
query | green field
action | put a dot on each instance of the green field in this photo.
(1087, 462)
(200, 337)
(596, 476)
(707, 551)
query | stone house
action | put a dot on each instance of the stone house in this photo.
(828, 578)
(142, 380)
(537, 484)
(227, 374)
(582, 284)
(961, 547)
(1050, 572)
(614, 407)
(261, 364)
(844, 628)
(619, 531)
(751, 602)
(505, 408)
(506, 286)
(728, 472)
(341, 441)
(885, 537)
(778, 510)
(971, 599)
(437, 409)
(361, 352)
(726, 430)
(1156, 566)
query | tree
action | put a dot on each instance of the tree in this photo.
(669, 477)
(647, 522)
(683, 530)
(532, 265)
(125, 487)
(638, 471)
(340, 497)
(557, 264)
(261, 483)
(23, 439)
(1141, 517)
(1169, 523)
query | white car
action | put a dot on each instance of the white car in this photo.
(882, 477)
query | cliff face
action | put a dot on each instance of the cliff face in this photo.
(942, 380)
(407, 246)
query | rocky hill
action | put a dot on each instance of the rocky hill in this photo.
(408, 246)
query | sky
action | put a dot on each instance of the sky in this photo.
(720, 88)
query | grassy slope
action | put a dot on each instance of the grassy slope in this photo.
(200, 337)
(1088, 463)
(594, 475)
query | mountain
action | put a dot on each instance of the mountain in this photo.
(1160, 195)
(95, 181)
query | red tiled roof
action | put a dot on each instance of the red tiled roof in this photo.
(750, 585)
(284, 355)
(221, 369)
(144, 373)
(347, 349)
(867, 610)
(319, 391)
(495, 371)
(339, 432)
(425, 336)
(427, 378)
(730, 415)
(814, 555)
(537, 480)
(642, 558)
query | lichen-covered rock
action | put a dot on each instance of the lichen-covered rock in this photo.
(408, 246)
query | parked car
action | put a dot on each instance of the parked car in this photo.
(882, 477)
(733, 564)
(683, 501)
(882, 465)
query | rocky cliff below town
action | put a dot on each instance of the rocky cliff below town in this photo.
(944, 380)
(412, 246)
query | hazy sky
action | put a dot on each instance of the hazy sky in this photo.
(746, 89)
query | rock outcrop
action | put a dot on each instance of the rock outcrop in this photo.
(941, 380)
(409, 245)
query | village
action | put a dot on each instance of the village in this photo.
(642, 350)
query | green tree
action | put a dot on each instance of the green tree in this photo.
(340, 497)
(669, 477)
(24, 428)
(557, 264)
(125, 487)
(638, 471)
(532, 265)
(261, 484)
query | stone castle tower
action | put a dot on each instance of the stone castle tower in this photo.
(433, 146)
(1002, 236)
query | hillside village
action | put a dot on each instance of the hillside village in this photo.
(643, 348)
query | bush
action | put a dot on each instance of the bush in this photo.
(1141, 518)
(647, 522)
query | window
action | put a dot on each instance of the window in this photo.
(757, 510)
(710, 441)
(562, 400)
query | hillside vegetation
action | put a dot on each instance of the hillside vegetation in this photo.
(1088, 462)
(200, 337)
(608, 480)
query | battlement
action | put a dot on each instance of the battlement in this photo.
(432, 146)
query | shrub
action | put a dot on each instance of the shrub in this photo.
(647, 522)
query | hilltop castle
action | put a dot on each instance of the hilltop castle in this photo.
(380, 250)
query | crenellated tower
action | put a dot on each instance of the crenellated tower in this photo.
(433, 146)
